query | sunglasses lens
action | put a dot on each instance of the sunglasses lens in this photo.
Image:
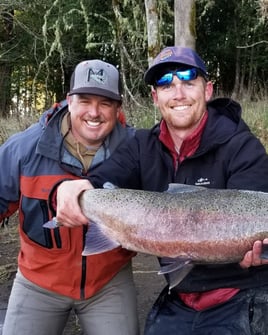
(189, 74)
(184, 75)
(166, 79)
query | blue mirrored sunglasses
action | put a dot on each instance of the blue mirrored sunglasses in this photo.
(166, 79)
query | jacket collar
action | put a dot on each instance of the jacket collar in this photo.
(190, 143)
(224, 121)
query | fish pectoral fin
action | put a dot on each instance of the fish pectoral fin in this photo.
(177, 276)
(96, 242)
(176, 269)
(172, 264)
(109, 186)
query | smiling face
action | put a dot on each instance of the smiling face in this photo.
(182, 103)
(93, 117)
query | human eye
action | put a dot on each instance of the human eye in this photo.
(189, 83)
(165, 87)
(83, 101)
(107, 103)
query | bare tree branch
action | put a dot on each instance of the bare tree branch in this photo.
(251, 45)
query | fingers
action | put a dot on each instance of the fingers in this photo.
(247, 260)
(253, 257)
(69, 212)
(256, 260)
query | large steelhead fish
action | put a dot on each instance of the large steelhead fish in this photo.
(189, 223)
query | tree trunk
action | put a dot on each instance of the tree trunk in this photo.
(184, 23)
(152, 29)
(6, 26)
(5, 98)
(236, 90)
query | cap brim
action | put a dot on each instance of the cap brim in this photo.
(150, 74)
(96, 91)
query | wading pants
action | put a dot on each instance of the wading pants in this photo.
(35, 311)
(245, 314)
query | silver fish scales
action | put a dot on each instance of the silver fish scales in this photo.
(186, 222)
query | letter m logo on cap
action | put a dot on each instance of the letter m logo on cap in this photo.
(97, 75)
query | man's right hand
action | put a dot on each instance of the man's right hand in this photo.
(69, 213)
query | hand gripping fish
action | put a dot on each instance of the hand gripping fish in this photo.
(186, 224)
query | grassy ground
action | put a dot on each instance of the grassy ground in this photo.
(256, 115)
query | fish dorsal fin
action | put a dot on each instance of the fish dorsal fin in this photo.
(96, 242)
(182, 188)
(176, 269)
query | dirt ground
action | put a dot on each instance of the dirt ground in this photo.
(145, 268)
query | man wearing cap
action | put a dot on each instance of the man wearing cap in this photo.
(69, 142)
(201, 142)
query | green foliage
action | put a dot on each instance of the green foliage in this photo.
(47, 38)
(144, 116)
(227, 31)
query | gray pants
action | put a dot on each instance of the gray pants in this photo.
(33, 310)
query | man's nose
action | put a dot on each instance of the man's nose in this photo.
(179, 91)
(178, 88)
(93, 110)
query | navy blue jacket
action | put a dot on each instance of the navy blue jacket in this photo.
(229, 156)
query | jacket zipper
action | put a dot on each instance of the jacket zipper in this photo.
(84, 267)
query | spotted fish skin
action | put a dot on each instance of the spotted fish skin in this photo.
(186, 222)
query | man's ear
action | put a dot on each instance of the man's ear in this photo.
(68, 98)
(209, 90)
(154, 96)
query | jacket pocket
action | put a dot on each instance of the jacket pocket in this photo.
(35, 214)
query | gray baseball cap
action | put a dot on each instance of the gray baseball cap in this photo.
(96, 77)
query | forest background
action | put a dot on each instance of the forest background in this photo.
(41, 41)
